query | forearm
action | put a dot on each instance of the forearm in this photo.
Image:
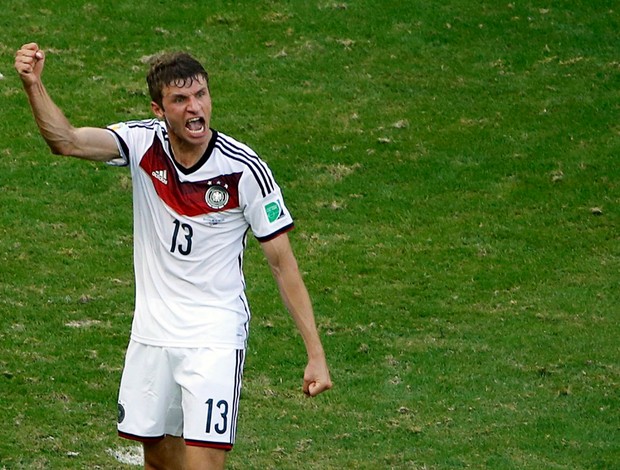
(295, 295)
(52, 123)
(297, 300)
(62, 138)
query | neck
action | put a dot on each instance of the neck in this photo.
(187, 154)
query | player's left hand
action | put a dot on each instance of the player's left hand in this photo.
(316, 378)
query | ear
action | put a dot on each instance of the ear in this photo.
(157, 110)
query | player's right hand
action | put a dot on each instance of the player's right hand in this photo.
(29, 61)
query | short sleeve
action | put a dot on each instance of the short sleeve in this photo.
(123, 150)
(264, 209)
(132, 139)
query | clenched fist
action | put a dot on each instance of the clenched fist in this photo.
(29, 62)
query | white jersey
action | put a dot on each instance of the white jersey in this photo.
(190, 228)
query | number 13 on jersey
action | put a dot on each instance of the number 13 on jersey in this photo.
(185, 231)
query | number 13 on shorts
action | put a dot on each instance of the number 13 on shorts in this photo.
(191, 392)
(214, 425)
(221, 426)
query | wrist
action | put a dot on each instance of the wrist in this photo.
(31, 85)
(316, 353)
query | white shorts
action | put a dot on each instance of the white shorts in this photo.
(189, 392)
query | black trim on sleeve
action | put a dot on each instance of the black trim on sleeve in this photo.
(276, 234)
(123, 145)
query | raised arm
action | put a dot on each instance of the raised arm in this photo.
(296, 299)
(63, 139)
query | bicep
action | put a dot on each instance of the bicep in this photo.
(277, 251)
(93, 143)
(282, 262)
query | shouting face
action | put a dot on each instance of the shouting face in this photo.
(186, 108)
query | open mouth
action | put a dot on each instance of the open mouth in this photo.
(195, 125)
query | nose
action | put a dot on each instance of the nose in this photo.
(193, 104)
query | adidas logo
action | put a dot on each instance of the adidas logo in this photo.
(161, 175)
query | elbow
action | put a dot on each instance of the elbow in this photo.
(61, 147)
(286, 271)
(61, 140)
(56, 150)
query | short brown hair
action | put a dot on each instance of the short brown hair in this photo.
(178, 68)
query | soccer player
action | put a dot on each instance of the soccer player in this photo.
(196, 194)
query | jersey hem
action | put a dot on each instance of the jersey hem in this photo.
(188, 344)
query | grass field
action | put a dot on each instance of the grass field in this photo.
(453, 171)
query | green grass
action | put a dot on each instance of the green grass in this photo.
(452, 170)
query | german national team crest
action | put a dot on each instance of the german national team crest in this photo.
(121, 413)
(217, 195)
